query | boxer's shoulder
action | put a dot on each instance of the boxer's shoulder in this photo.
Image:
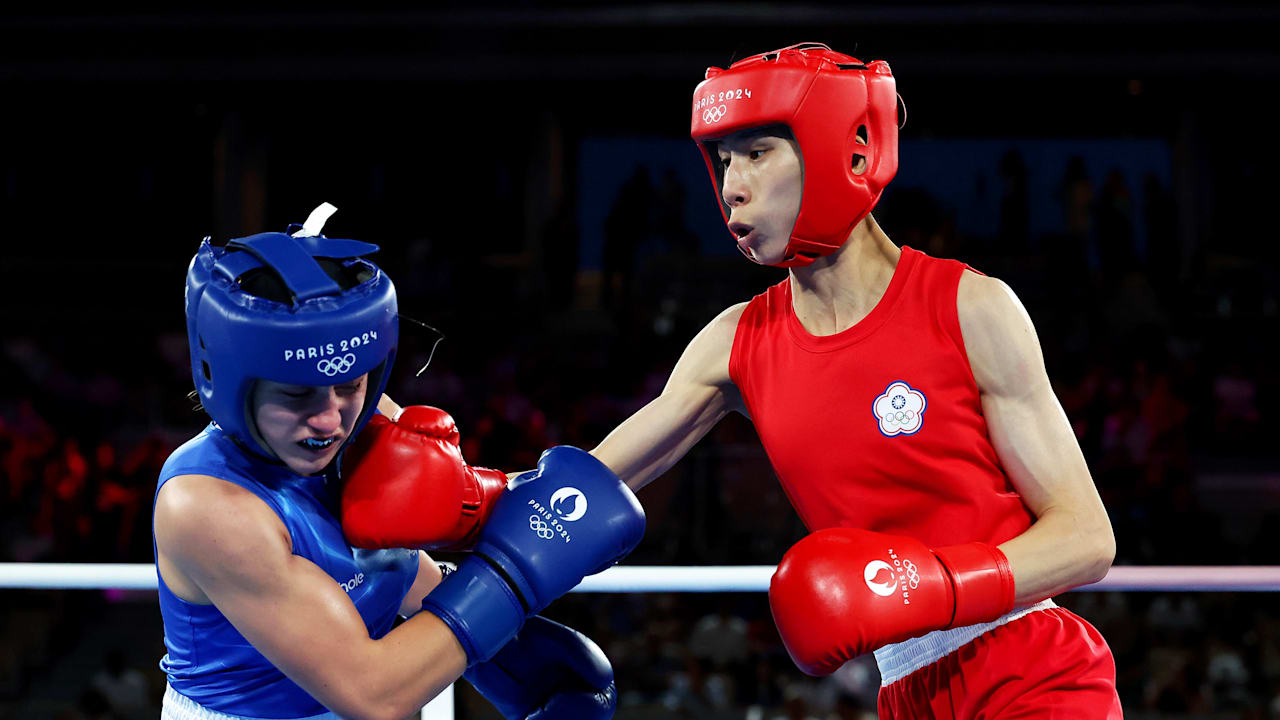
(724, 327)
(199, 518)
(999, 337)
(981, 297)
(706, 359)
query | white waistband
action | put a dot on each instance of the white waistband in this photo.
(180, 707)
(899, 660)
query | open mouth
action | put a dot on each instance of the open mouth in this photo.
(745, 233)
(317, 444)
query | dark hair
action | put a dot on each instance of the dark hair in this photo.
(265, 283)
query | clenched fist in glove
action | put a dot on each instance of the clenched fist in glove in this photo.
(842, 592)
(406, 485)
(552, 527)
(548, 672)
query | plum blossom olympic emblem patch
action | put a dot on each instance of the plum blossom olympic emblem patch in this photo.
(899, 409)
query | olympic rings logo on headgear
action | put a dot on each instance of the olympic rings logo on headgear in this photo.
(337, 365)
(913, 575)
(713, 115)
(543, 530)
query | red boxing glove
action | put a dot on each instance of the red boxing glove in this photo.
(841, 592)
(408, 486)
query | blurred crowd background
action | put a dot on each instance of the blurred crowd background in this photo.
(526, 170)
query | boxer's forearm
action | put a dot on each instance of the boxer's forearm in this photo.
(698, 393)
(1062, 550)
(429, 576)
(649, 442)
(419, 659)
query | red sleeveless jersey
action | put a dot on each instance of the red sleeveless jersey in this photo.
(879, 426)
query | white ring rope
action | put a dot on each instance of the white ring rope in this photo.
(674, 578)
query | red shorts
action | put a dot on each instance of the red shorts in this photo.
(1047, 664)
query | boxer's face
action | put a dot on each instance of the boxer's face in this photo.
(305, 425)
(762, 184)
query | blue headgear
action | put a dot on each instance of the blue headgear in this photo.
(324, 336)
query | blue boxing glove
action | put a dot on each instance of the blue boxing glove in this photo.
(570, 518)
(550, 528)
(548, 672)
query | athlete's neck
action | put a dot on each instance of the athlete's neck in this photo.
(835, 292)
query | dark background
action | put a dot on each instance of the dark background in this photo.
(526, 169)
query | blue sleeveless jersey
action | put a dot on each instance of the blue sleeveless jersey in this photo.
(208, 660)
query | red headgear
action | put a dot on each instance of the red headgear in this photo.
(824, 97)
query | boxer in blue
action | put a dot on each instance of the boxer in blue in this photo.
(268, 611)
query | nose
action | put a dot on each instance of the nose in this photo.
(735, 191)
(326, 414)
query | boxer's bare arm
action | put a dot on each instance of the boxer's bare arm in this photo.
(429, 576)
(1071, 542)
(220, 543)
(698, 393)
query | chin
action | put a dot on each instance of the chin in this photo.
(769, 252)
(763, 258)
(308, 467)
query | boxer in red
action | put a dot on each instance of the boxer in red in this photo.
(904, 404)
